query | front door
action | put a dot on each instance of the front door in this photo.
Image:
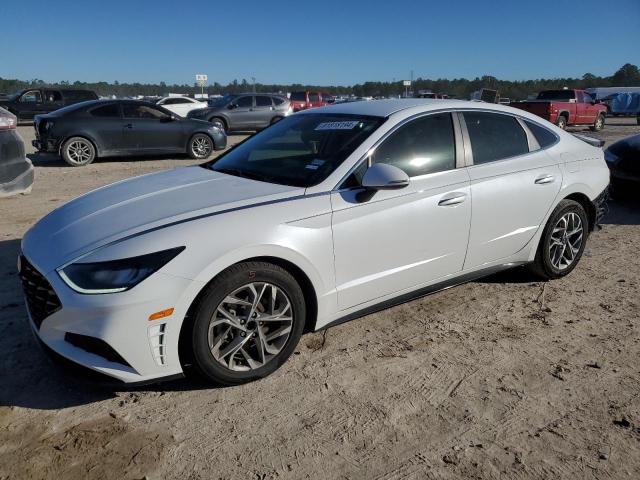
(29, 105)
(391, 241)
(145, 128)
(512, 188)
(241, 115)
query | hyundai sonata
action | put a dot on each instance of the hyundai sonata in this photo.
(325, 216)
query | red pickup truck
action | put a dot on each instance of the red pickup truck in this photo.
(566, 107)
(303, 100)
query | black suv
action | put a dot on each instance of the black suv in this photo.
(26, 104)
(245, 111)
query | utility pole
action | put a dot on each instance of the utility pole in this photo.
(253, 79)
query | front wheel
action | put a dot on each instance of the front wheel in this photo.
(78, 151)
(247, 323)
(219, 123)
(563, 241)
(200, 146)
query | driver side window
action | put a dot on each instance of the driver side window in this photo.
(425, 145)
(142, 111)
(244, 102)
(32, 96)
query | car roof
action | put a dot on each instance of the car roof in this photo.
(409, 106)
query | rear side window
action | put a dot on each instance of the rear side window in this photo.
(277, 100)
(175, 101)
(263, 101)
(494, 136)
(543, 136)
(109, 111)
(426, 145)
(299, 97)
(52, 96)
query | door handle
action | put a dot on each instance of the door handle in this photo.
(452, 199)
(129, 125)
(542, 179)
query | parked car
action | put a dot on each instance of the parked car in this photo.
(326, 216)
(566, 107)
(247, 111)
(304, 100)
(181, 105)
(16, 171)
(623, 159)
(102, 128)
(26, 104)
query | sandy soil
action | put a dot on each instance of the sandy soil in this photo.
(506, 377)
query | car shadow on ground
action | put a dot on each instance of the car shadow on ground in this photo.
(623, 207)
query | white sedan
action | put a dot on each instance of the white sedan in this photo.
(181, 105)
(325, 216)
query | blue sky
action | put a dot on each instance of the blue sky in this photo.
(321, 42)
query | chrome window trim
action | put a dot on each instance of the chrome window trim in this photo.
(468, 139)
(367, 156)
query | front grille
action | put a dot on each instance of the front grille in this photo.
(96, 346)
(42, 301)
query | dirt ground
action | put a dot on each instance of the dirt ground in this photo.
(507, 377)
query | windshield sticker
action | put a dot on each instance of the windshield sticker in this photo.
(338, 125)
(318, 162)
(311, 167)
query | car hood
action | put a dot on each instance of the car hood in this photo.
(126, 208)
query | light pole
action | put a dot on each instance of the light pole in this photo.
(253, 79)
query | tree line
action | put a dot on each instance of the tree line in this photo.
(627, 75)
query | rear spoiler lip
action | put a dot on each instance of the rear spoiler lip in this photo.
(594, 142)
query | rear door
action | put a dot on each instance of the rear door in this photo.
(390, 241)
(263, 111)
(513, 185)
(148, 128)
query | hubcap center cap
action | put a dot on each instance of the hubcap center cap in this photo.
(252, 325)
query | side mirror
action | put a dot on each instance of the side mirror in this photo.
(381, 176)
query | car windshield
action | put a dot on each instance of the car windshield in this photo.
(557, 95)
(301, 150)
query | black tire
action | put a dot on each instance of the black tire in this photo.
(200, 146)
(598, 124)
(220, 123)
(543, 265)
(78, 152)
(275, 120)
(232, 279)
(561, 121)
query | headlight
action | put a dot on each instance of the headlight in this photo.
(115, 275)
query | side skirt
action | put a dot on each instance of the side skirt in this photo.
(422, 292)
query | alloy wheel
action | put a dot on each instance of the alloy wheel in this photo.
(79, 152)
(566, 240)
(250, 326)
(201, 146)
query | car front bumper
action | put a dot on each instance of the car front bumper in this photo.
(110, 333)
(50, 145)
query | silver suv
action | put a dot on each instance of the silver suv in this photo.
(246, 111)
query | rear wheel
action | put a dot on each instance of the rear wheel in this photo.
(561, 122)
(78, 151)
(219, 123)
(563, 241)
(200, 146)
(598, 124)
(247, 323)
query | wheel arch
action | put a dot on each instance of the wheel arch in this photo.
(89, 138)
(303, 279)
(588, 206)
